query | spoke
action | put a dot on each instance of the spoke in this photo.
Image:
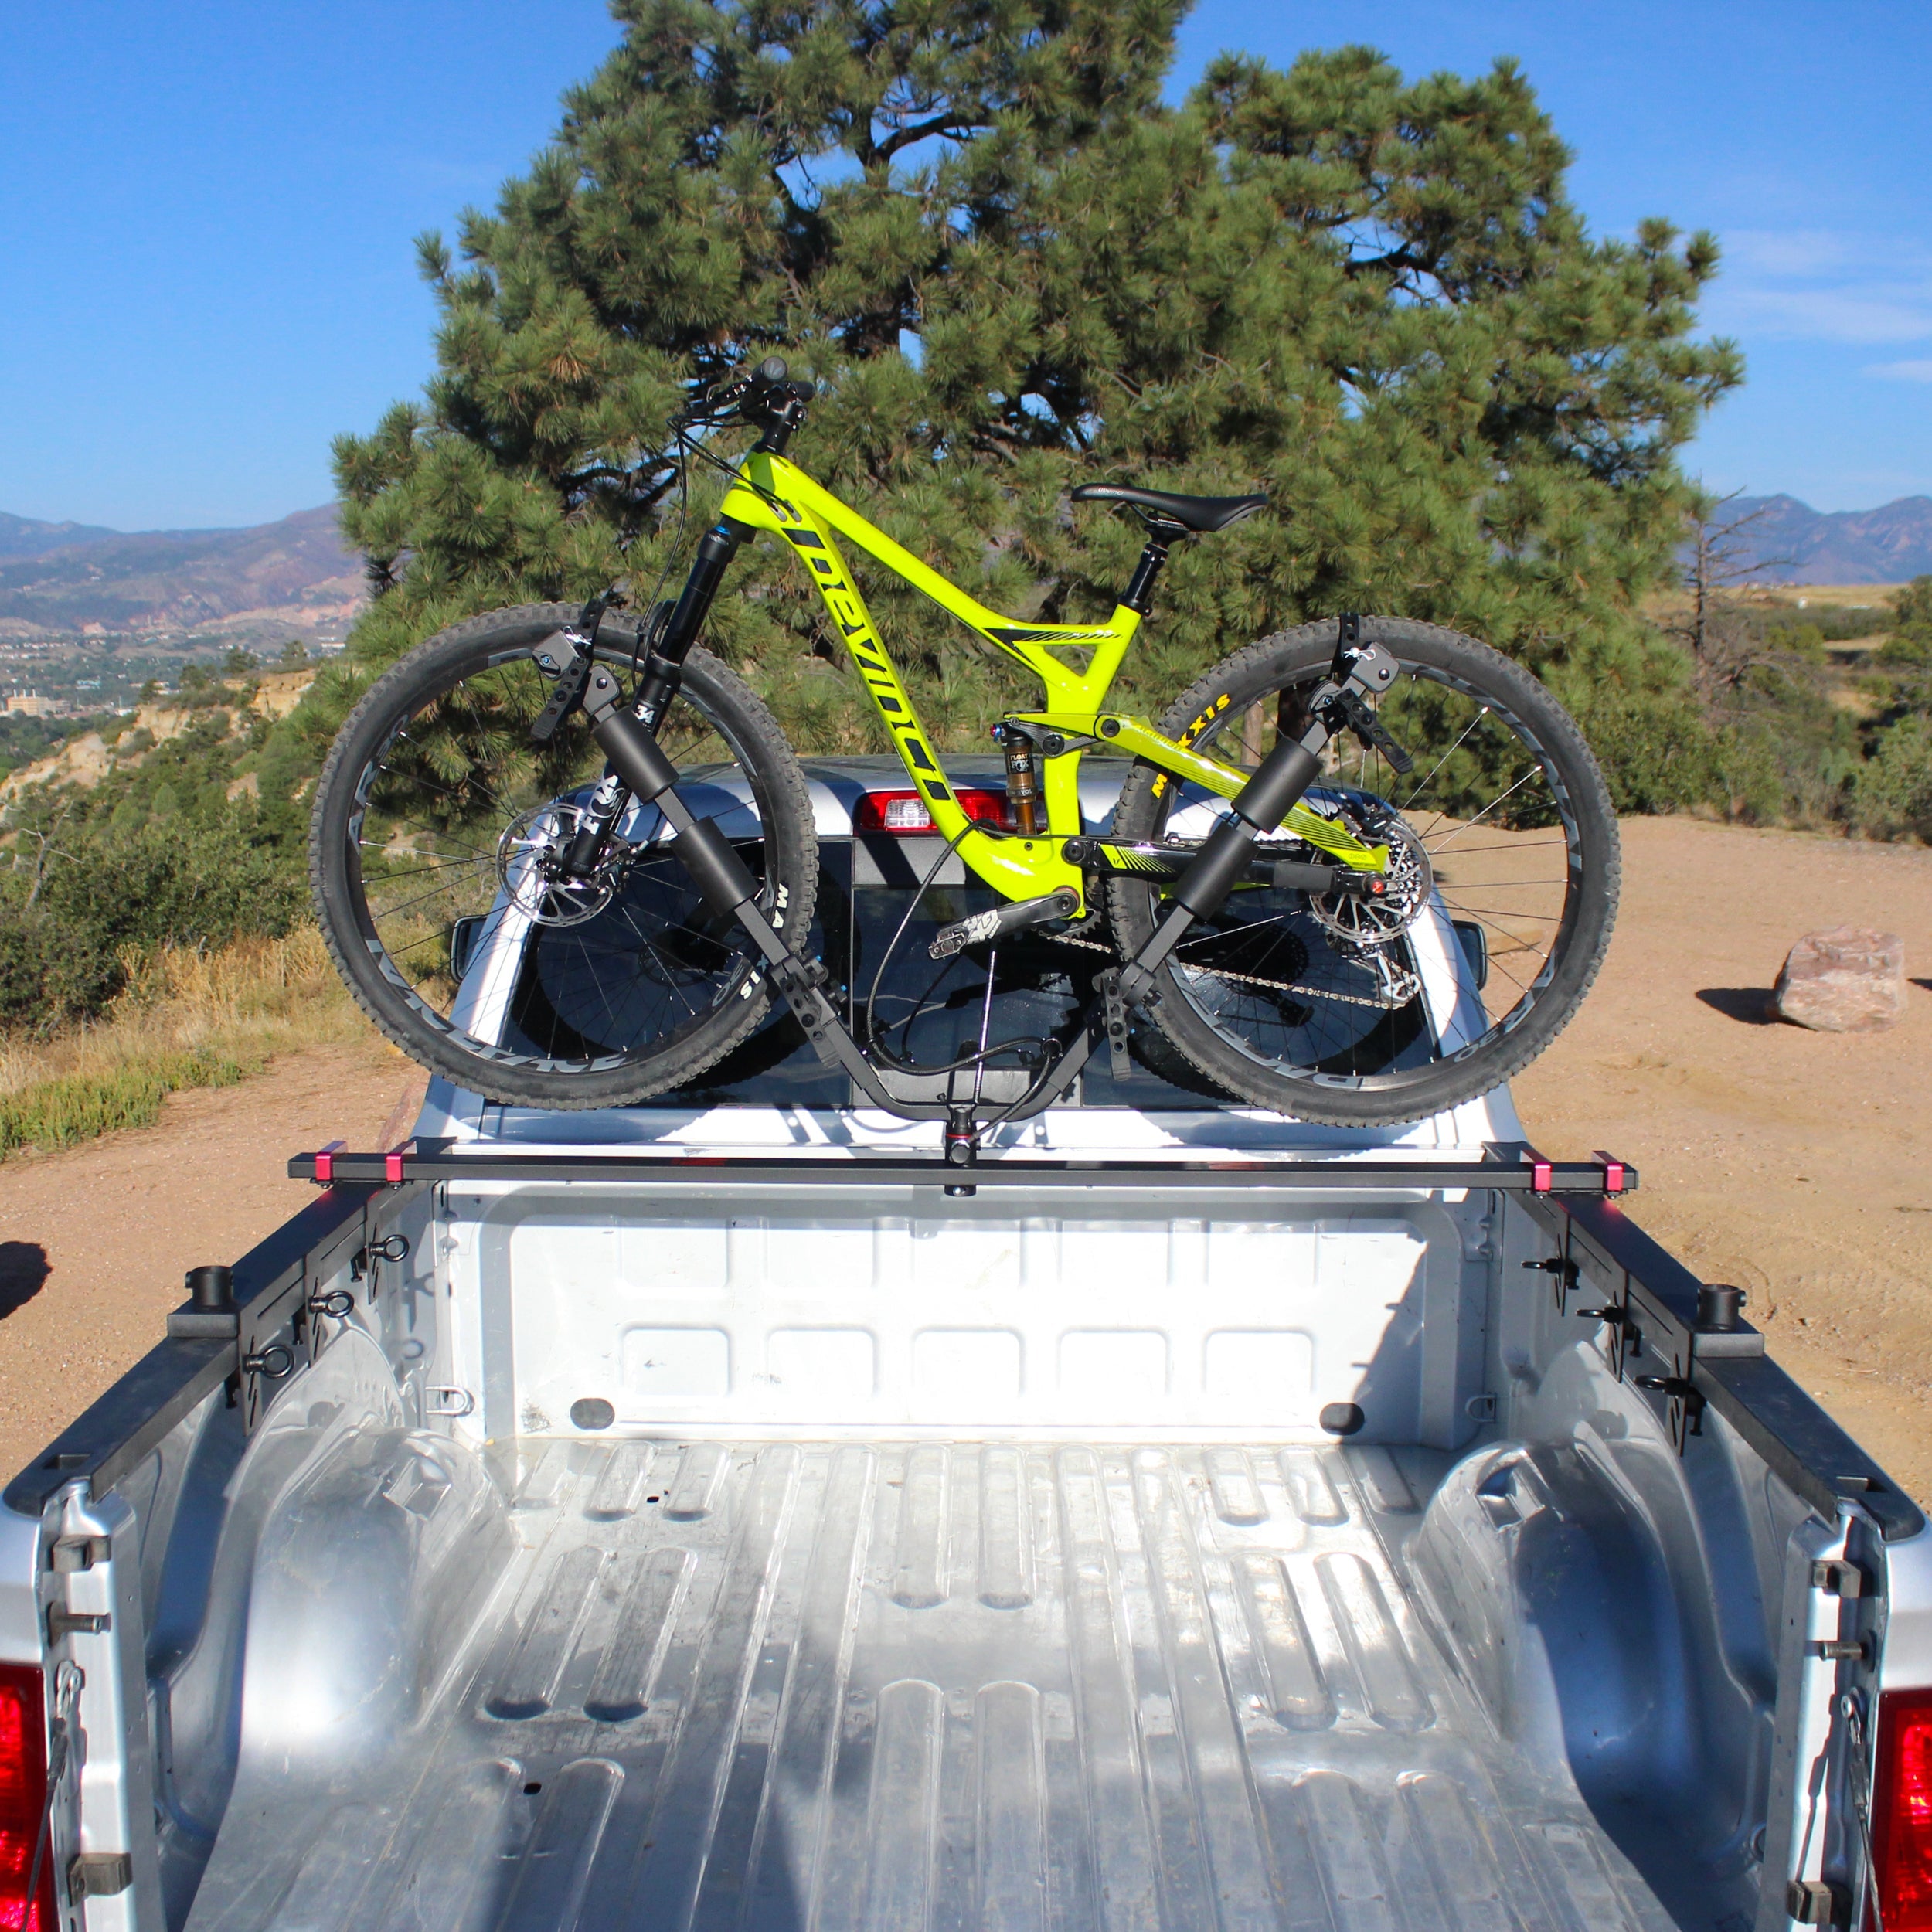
(403, 952)
(1231, 932)
(1469, 823)
(596, 980)
(668, 926)
(1421, 783)
(423, 778)
(417, 872)
(1503, 912)
(390, 912)
(1497, 965)
(431, 831)
(1541, 844)
(671, 980)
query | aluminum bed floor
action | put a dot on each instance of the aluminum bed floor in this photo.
(939, 1685)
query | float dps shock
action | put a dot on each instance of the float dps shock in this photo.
(1022, 780)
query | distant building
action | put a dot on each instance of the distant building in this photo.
(30, 704)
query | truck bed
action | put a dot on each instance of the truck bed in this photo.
(1190, 1526)
(939, 1684)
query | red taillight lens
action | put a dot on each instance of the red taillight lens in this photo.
(1902, 1811)
(23, 1799)
(907, 815)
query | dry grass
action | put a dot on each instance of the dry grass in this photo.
(188, 1019)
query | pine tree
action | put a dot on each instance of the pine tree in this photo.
(1011, 268)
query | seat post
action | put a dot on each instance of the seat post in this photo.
(1140, 590)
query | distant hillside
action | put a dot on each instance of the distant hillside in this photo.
(293, 578)
(1884, 545)
(21, 536)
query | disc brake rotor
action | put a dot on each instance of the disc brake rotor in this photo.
(1369, 923)
(529, 858)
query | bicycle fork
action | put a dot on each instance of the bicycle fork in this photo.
(721, 876)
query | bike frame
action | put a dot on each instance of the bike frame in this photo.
(772, 493)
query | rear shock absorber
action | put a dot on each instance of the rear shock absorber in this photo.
(1022, 780)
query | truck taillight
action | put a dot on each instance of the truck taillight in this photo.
(23, 1801)
(1902, 1811)
(907, 813)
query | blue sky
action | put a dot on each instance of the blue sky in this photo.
(206, 267)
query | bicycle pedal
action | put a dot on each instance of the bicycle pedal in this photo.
(1374, 734)
(1002, 919)
(571, 676)
(1114, 1019)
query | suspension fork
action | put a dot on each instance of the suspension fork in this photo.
(663, 674)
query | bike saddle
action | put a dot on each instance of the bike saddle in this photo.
(1162, 510)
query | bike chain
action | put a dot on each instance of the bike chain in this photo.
(1244, 979)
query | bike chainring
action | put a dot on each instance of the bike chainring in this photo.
(529, 862)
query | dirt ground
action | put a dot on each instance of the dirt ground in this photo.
(1793, 1163)
(94, 1241)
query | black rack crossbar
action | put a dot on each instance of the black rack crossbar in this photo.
(1513, 1169)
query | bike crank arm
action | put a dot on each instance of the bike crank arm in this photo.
(1257, 810)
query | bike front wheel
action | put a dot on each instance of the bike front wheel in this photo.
(1504, 879)
(434, 854)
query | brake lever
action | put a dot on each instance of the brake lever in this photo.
(716, 403)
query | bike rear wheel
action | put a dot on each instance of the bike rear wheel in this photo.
(1504, 862)
(433, 855)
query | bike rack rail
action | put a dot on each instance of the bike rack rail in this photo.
(1512, 1167)
(323, 1259)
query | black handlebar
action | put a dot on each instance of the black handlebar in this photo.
(765, 391)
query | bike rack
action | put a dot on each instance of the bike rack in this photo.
(1511, 1167)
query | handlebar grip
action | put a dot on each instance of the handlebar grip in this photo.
(773, 370)
(804, 390)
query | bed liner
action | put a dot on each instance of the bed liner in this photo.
(940, 1684)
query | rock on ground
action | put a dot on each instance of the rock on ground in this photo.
(1846, 979)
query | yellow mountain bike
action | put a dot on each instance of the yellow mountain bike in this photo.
(1363, 870)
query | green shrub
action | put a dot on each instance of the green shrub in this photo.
(174, 883)
(1657, 750)
(1912, 648)
(1893, 793)
(1911, 640)
(78, 1106)
(1828, 622)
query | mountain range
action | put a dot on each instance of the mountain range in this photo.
(274, 581)
(1797, 544)
(293, 578)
